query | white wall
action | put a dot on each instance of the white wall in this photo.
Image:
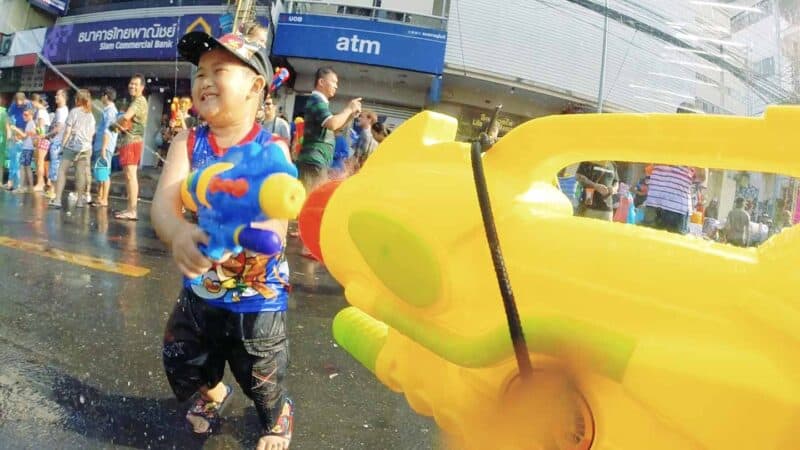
(412, 6)
(19, 15)
(762, 43)
(560, 48)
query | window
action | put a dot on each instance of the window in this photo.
(765, 67)
(746, 18)
(710, 108)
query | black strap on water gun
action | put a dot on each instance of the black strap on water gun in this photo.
(484, 143)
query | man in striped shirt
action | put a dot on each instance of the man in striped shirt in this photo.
(669, 197)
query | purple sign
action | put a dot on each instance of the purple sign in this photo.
(151, 39)
(58, 7)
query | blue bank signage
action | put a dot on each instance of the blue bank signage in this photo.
(150, 39)
(360, 41)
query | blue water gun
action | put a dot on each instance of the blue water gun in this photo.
(251, 183)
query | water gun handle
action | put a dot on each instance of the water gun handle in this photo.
(267, 242)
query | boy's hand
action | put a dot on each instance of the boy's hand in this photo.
(186, 253)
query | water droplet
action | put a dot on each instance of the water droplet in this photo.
(82, 399)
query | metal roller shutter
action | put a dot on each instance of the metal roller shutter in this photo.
(395, 115)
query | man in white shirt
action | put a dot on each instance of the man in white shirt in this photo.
(273, 123)
(55, 135)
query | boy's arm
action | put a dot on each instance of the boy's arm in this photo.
(166, 209)
(167, 216)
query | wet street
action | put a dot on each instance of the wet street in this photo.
(80, 346)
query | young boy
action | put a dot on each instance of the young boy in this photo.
(237, 311)
(105, 141)
(26, 134)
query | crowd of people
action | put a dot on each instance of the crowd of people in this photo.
(54, 142)
(668, 198)
(233, 310)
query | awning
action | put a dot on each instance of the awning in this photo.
(25, 45)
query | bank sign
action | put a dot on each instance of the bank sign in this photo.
(150, 39)
(360, 41)
(58, 7)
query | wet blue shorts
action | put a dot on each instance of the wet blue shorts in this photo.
(26, 158)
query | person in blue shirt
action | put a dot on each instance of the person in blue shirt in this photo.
(17, 109)
(105, 142)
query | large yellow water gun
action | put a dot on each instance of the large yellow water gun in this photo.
(699, 350)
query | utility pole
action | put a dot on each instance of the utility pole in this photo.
(603, 59)
(245, 13)
(776, 15)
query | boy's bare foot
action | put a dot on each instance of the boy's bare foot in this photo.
(280, 436)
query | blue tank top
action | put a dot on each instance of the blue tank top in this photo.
(248, 282)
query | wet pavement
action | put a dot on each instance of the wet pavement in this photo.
(80, 363)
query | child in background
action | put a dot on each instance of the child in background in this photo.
(26, 135)
(626, 212)
(105, 142)
(233, 310)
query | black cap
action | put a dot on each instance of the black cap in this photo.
(192, 46)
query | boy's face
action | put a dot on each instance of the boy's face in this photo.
(222, 87)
